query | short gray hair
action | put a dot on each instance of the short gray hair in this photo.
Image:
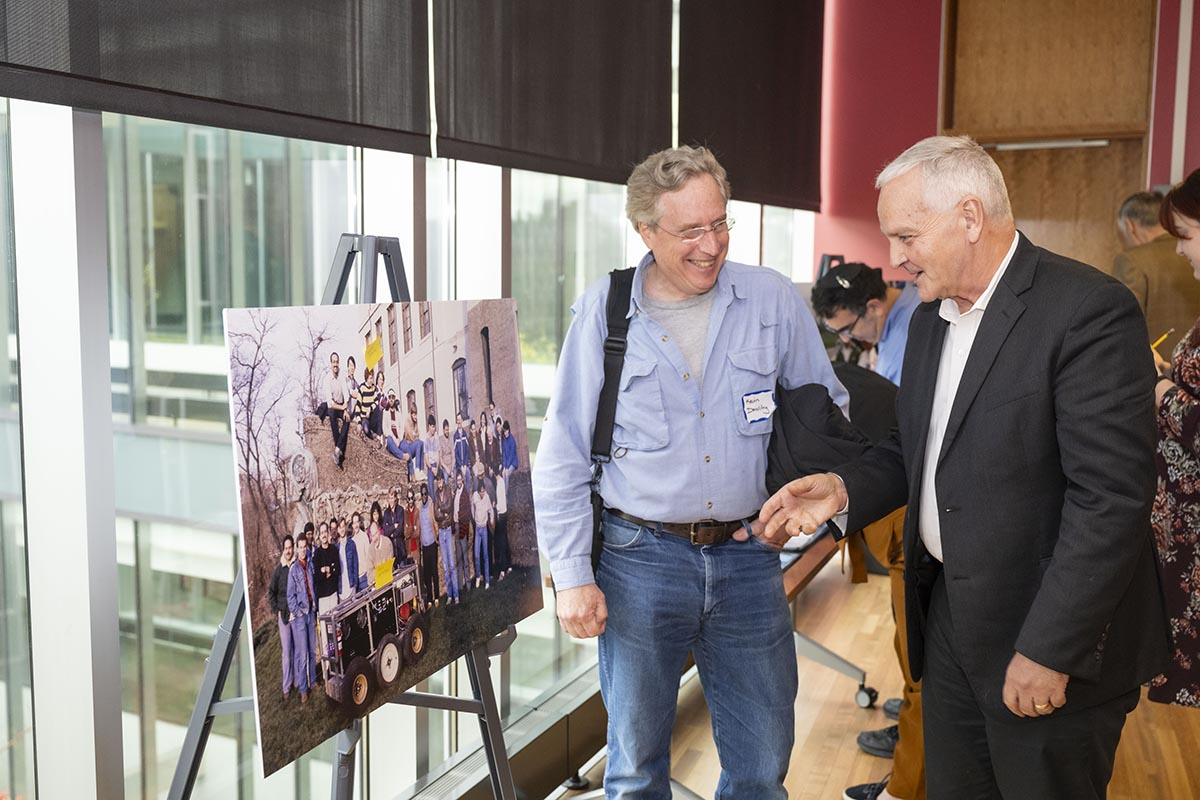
(664, 172)
(953, 167)
(1142, 208)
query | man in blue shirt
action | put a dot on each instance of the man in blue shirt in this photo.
(708, 340)
(853, 302)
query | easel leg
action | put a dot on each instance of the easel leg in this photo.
(343, 767)
(489, 725)
(215, 672)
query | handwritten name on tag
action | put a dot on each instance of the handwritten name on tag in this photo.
(758, 406)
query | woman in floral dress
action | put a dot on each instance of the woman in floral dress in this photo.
(1176, 514)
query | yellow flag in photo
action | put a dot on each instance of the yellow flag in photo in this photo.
(383, 572)
(374, 353)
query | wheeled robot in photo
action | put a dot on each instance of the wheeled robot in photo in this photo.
(370, 636)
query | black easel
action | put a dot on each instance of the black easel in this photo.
(209, 703)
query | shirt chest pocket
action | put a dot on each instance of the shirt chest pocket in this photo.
(751, 374)
(641, 419)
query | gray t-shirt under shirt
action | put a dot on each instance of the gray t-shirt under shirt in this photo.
(686, 321)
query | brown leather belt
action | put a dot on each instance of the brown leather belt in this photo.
(704, 532)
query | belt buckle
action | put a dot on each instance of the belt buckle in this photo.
(695, 527)
(692, 529)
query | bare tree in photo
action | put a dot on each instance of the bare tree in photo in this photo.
(256, 392)
(316, 370)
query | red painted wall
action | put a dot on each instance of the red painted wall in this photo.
(880, 96)
(1166, 68)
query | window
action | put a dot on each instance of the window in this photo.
(391, 326)
(460, 389)
(425, 324)
(487, 362)
(406, 313)
(430, 401)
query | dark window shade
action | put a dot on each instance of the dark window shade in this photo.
(567, 87)
(349, 72)
(750, 89)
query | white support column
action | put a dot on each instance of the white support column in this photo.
(67, 446)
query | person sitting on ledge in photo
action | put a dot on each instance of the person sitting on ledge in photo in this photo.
(334, 406)
(368, 397)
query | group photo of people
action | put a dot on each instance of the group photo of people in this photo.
(383, 461)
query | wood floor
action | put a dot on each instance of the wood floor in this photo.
(1159, 757)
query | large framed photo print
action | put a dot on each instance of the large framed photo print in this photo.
(382, 468)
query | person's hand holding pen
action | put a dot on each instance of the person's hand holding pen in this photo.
(1163, 367)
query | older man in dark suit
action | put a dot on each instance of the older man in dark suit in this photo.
(1024, 451)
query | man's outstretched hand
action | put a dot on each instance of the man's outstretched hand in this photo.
(801, 506)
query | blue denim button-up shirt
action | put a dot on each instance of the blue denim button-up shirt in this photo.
(682, 452)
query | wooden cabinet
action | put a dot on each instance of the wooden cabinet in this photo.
(1040, 69)
(1044, 73)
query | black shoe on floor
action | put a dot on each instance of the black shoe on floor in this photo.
(880, 743)
(891, 708)
(866, 791)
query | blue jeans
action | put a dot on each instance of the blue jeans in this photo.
(481, 561)
(285, 646)
(304, 644)
(726, 605)
(446, 542)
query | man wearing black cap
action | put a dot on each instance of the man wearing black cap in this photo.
(853, 302)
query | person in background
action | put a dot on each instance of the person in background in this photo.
(351, 391)
(301, 608)
(462, 449)
(349, 580)
(412, 526)
(503, 564)
(446, 452)
(326, 575)
(483, 516)
(379, 547)
(432, 447)
(393, 525)
(443, 511)
(362, 544)
(1176, 513)
(464, 524)
(508, 451)
(1159, 277)
(853, 302)
(429, 548)
(277, 600)
(368, 402)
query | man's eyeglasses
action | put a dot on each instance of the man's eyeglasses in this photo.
(693, 235)
(845, 329)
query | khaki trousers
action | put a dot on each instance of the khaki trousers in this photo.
(885, 541)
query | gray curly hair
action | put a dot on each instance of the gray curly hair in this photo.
(664, 172)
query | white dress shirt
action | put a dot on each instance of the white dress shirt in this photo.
(956, 349)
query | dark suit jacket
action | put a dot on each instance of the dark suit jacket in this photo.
(1165, 288)
(1045, 481)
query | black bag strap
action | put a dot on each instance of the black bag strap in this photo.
(620, 290)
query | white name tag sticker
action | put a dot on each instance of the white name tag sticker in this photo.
(758, 406)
